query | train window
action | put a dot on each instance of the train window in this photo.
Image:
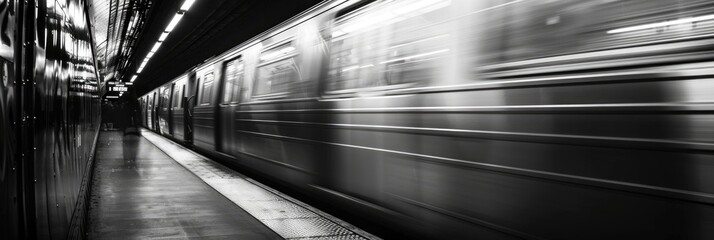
(182, 103)
(534, 29)
(207, 89)
(277, 71)
(393, 44)
(178, 89)
(165, 93)
(234, 81)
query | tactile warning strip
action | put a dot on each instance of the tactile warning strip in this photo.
(288, 217)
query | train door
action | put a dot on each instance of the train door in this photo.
(145, 111)
(157, 111)
(150, 111)
(154, 108)
(229, 100)
(141, 112)
(169, 108)
(189, 104)
(177, 110)
(163, 109)
(204, 134)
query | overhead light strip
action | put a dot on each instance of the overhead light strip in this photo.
(163, 36)
(174, 21)
(186, 5)
(156, 47)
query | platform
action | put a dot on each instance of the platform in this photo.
(141, 192)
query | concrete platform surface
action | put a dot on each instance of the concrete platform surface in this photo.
(139, 192)
(147, 187)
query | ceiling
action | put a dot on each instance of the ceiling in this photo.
(118, 25)
(126, 30)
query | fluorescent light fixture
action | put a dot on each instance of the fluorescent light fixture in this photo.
(156, 47)
(163, 36)
(173, 22)
(187, 4)
(661, 24)
(133, 78)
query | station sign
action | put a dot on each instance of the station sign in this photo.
(119, 89)
(119, 86)
(120, 83)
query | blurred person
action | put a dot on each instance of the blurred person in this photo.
(130, 112)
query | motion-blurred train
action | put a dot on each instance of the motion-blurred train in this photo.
(493, 119)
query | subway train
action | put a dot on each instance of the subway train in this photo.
(453, 119)
(49, 118)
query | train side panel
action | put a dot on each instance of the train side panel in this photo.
(280, 85)
(495, 119)
(204, 112)
(521, 139)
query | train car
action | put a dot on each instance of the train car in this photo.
(170, 108)
(462, 119)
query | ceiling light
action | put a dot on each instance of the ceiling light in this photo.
(156, 46)
(163, 36)
(141, 68)
(133, 78)
(187, 4)
(173, 22)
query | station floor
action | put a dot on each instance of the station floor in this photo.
(147, 187)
